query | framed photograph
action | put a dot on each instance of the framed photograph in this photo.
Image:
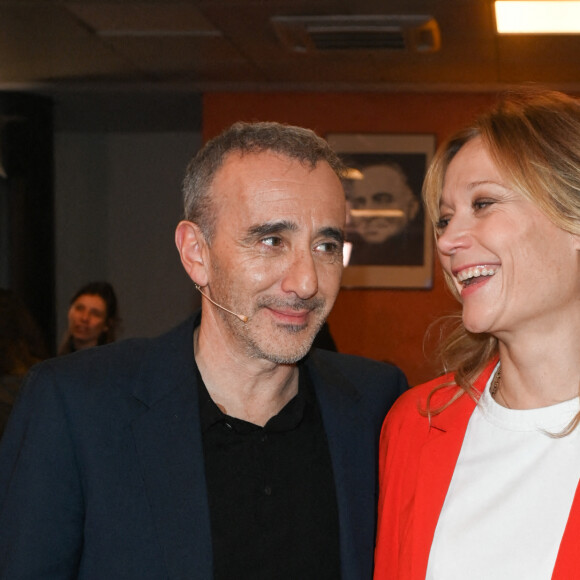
(389, 240)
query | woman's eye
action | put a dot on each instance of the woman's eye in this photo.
(482, 203)
(442, 223)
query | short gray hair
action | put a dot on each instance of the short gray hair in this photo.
(294, 142)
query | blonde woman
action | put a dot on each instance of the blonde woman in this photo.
(479, 468)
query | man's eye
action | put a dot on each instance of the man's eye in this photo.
(329, 247)
(383, 198)
(358, 202)
(272, 241)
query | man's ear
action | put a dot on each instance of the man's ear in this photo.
(191, 244)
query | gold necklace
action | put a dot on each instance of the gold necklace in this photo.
(495, 388)
(495, 383)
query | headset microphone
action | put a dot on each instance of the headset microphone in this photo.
(242, 317)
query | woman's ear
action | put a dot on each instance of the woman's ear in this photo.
(191, 244)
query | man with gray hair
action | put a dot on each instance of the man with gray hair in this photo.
(226, 448)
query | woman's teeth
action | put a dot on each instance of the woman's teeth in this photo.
(469, 274)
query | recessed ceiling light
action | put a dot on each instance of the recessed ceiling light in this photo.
(537, 16)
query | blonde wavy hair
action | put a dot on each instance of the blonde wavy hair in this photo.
(533, 137)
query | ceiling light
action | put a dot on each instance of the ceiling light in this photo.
(537, 17)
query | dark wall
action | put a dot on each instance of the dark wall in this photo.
(27, 205)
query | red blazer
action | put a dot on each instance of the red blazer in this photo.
(415, 468)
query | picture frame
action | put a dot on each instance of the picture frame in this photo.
(389, 239)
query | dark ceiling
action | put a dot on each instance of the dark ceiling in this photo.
(338, 45)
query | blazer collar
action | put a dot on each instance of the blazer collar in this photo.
(169, 445)
(437, 460)
(168, 363)
(353, 449)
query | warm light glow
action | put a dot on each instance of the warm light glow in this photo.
(375, 213)
(353, 173)
(537, 17)
(346, 252)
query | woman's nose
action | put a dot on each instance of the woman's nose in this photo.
(455, 236)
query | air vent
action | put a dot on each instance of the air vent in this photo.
(362, 32)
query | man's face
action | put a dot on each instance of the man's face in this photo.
(276, 254)
(382, 188)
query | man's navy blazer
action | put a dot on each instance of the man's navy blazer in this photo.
(102, 472)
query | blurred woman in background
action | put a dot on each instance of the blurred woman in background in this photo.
(93, 318)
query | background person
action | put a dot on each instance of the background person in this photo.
(225, 448)
(93, 318)
(484, 482)
(21, 346)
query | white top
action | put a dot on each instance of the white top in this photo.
(510, 495)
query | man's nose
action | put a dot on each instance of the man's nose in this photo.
(302, 275)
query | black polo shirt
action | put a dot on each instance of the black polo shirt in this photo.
(271, 492)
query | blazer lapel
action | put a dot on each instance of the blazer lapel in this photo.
(353, 450)
(568, 563)
(437, 461)
(436, 465)
(168, 441)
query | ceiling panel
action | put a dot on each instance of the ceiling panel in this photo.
(551, 59)
(233, 45)
(41, 42)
